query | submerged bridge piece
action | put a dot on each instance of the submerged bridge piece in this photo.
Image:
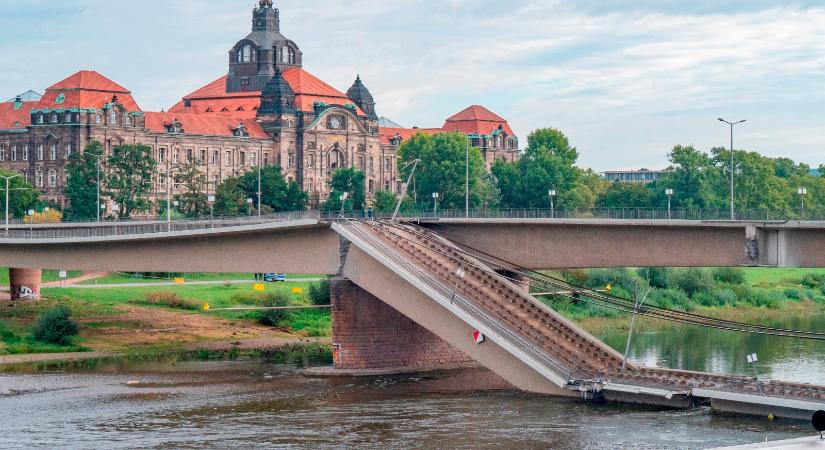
(451, 295)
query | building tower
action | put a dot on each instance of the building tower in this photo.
(253, 60)
(360, 95)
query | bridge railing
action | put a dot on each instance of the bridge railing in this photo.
(146, 226)
(697, 214)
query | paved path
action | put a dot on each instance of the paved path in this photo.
(70, 281)
(188, 283)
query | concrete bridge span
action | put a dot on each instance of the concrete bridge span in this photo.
(586, 243)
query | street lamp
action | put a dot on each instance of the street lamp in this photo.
(98, 185)
(249, 205)
(211, 200)
(802, 192)
(169, 198)
(669, 193)
(343, 199)
(552, 194)
(732, 211)
(435, 204)
(8, 188)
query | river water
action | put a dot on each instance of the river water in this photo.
(257, 403)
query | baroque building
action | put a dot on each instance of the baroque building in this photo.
(266, 110)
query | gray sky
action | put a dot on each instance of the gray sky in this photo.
(624, 80)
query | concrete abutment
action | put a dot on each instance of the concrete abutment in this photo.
(25, 283)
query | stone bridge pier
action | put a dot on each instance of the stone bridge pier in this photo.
(369, 334)
(25, 283)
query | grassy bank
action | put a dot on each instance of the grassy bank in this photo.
(128, 318)
(48, 275)
(129, 278)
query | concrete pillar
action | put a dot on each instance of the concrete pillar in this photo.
(25, 283)
(369, 334)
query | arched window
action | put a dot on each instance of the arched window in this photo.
(245, 54)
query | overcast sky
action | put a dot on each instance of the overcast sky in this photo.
(625, 83)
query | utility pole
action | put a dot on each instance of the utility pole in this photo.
(260, 154)
(414, 164)
(732, 210)
(98, 186)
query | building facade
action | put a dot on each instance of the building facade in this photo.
(267, 110)
(633, 176)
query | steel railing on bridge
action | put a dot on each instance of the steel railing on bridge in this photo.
(68, 230)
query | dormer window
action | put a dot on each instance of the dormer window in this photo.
(54, 118)
(175, 127)
(40, 119)
(113, 118)
(126, 120)
(240, 131)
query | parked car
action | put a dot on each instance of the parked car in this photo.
(274, 277)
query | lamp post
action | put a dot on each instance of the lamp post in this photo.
(343, 199)
(169, 199)
(467, 182)
(211, 200)
(732, 211)
(669, 193)
(8, 188)
(98, 186)
(552, 194)
(435, 204)
(802, 192)
(249, 205)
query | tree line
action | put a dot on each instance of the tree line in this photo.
(549, 162)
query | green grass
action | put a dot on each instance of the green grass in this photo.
(770, 276)
(125, 278)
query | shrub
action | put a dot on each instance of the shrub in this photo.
(171, 300)
(729, 275)
(692, 280)
(621, 277)
(706, 299)
(319, 293)
(657, 277)
(814, 281)
(272, 317)
(55, 326)
(669, 298)
(725, 296)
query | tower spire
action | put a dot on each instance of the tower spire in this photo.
(266, 3)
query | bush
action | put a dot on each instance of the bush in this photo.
(171, 300)
(814, 281)
(725, 296)
(272, 317)
(657, 277)
(692, 280)
(319, 293)
(621, 277)
(55, 326)
(729, 275)
(670, 298)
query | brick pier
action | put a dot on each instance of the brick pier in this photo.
(369, 334)
(25, 283)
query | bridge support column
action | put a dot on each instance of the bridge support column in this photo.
(369, 334)
(24, 283)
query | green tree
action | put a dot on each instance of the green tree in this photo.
(277, 194)
(694, 178)
(626, 195)
(193, 201)
(82, 185)
(129, 180)
(443, 169)
(351, 181)
(548, 163)
(22, 195)
(230, 198)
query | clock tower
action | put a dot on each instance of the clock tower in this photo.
(254, 59)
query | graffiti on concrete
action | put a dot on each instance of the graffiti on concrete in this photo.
(25, 292)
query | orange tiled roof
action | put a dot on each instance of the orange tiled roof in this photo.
(86, 89)
(404, 133)
(203, 124)
(477, 119)
(9, 117)
(213, 98)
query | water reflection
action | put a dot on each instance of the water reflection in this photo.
(253, 403)
(708, 350)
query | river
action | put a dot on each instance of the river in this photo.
(272, 404)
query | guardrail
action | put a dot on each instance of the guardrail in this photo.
(698, 214)
(146, 226)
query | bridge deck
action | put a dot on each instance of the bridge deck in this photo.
(565, 353)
